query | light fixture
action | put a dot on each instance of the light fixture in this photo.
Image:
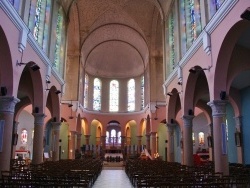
(179, 83)
(33, 65)
(170, 94)
(48, 82)
(70, 105)
(246, 14)
(56, 92)
(197, 69)
(3, 91)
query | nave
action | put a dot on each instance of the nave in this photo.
(113, 179)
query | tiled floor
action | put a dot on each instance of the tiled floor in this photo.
(112, 179)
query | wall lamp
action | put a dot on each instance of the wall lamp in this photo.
(246, 14)
(56, 92)
(170, 94)
(33, 67)
(195, 69)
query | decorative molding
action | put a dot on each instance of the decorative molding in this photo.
(39, 118)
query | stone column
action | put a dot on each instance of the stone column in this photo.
(238, 131)
(219, 134)
(103, 142)
(87, 139)
(38, 138)
(14, 138)
(139, 144)
(187, 140)
(7, 108)
(170, 143)
(78, 141)
(210, 148)
(72, 143)
(56, 136)
(123, 139)
(153, 143)
(148, 142)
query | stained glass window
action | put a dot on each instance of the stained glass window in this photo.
(190, 22)
(201, 138)
(142, 92)
(107, 137)
(171, 24)
(39, 21)
(214, 5)
(97, 94)
(86, 90)
(114, 96)
(15, 4)
(131, 95)
(119, 137)
(24, 136)
(59, 43)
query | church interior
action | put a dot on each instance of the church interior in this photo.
(153, 91)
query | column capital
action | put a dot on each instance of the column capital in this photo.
(170, 125)
(39, 118)
(218, 107)
(187, 120)
(7, 104)
(56, 125)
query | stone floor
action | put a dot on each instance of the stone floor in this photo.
(115, 178)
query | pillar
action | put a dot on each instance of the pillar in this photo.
(187, 140)
(56, 136)
(210, 148)
(219, 122)
(170, 143)
(72, 143)
(87, 139)
(38, 138)
(103, 142)
(7, 108)
(153, 143)
(139, 144)
(15, 138)
(78, 141)
(239, 146)
(148, 142)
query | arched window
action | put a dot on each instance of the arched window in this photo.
(86, 90)
(119, 137)
(24, 136)
(114, 96)
(190, 17)
(201, 138)
(131, 95)
(39, 21)
(142, 92)
(97, 94)
(60, 42)
(171, 41)
(107, 137)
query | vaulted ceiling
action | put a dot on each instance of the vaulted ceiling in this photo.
(115, 38)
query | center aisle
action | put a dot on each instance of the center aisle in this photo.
(112, 179)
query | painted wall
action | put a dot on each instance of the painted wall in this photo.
(232, 150)
(64, 132)
(245, 100)
(162, 136)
